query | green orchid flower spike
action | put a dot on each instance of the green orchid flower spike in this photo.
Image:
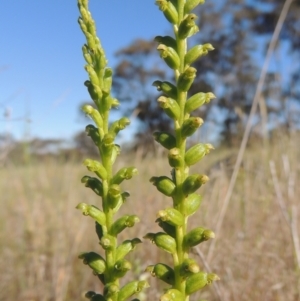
(185, 277)
(109, 266)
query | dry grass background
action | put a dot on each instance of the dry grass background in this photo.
(41, 232)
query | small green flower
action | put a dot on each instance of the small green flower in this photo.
(186, 79)
(190, 126)
(197, 152)
(170, 106)
(171, 216)
(169, 55)
(166, 87)
(162, 272)
(163, 241)
(188, 27)
(164, 184)
(193, 182)
(167, 140)
(168, 9)
(196, 236)
(197, 51)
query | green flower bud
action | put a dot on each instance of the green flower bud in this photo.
(123, 222)
(169, 10)
(102, 61)
(187, 27)
(131, 288)
(82, 25)
(168, 228)
(87, 56)
(96, 167)
(93, 212)
(191, 4)
(108, 242)
(175, 158)
(93, 132)
(170, 107)
(93, 183)
(84, 13)
(189, 267)
(125, 247)
(91, 41)
(124, 173)
(193, 182)
(95, 262)
(192, 203)
(197, 51)
(197, 100)
(169, 55)
(196, 153)
(165, 139)
(94, 91)
(172, 295)
(121, 267)
(186, 79)
(92, 29)
(167, 88)
(118, 125)
(196, 236)
(163, 241)
(190, 126)
(164, 184)
(167, 40)
(162, 272)
(107, 80)
(198, 281)
(94, 114)
(92, 75)
(114, 196)
(171, 216)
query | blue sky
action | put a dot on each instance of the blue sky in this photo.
(41, 64)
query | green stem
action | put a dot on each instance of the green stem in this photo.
(182, 171)
(110, 254)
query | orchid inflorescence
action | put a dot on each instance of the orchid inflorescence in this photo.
(185, 276)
